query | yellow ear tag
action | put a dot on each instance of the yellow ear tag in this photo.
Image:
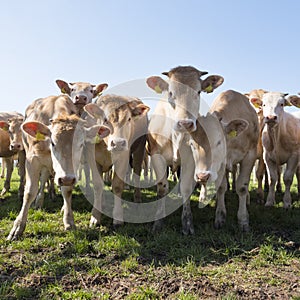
(97, 139)
(63, 90)
(158, 89)
(5, 128)
(232, 134)
(39, 136)
(208, 89)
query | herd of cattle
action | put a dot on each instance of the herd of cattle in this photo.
(60, 133)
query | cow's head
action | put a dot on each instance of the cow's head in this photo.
(183, 89)
(81, 93)
(13, 127)
(255, 98)
(67, 135)
(208, 145)
(272, 105)
(121, 114)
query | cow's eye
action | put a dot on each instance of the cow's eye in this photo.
(199, 92)
(72, 89)
(171, 96)
(281, 104)
(129, 119)
(92, 91)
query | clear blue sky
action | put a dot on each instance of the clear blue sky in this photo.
(252, 44)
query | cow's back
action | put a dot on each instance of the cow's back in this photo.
(44, 109)
(232, 105)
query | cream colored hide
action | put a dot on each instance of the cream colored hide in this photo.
(81, 93)
(11, 147)
(127, 118)
(53, 147)
(281, 142)
(174, 117)
(228, 106)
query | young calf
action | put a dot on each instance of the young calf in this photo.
(11, 146)
(281, 142)
(208, 145)
(127, 117)
(55, 146)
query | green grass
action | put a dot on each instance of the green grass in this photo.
(132, 262)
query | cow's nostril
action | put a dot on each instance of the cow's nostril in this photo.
(203, 176)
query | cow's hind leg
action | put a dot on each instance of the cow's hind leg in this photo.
(9, 163)
(291, 167)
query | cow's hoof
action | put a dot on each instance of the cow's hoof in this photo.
(118, 223)
(70, 227)
(16, 232)
(219, 224)
(157, 226)
(94, 222)
(189, 230)
(245, 227)
(269, 204)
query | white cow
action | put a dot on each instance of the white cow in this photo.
(171, 122)
(54, 137)
(281, 142)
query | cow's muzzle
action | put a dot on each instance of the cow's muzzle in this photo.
(271, 120)
(15, 147)
(202, 177)
(187, 125)
(67, 180)
(118, 144)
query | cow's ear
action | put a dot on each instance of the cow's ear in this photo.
(36, 129)
(294, 100)
(64, 86)
(138, 108)
(96, 133)
(94, 111)
(256, 102)
(4, 125)
(157, 84)
(210, 83)
(235, 127)
(99, 89)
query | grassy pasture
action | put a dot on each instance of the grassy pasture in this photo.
(134, 263)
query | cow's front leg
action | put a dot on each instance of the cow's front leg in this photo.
(68, 217)
(31, 189)
(187, 185)
(120, 162)
(160, 169)
(220, 217)
(273, 178)
(242, 185)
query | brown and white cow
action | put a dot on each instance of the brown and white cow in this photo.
(127, 117)
(228, 106)
(281, 142)
(208, 145)
(53, 139)
(171, 121)
(11, 145)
